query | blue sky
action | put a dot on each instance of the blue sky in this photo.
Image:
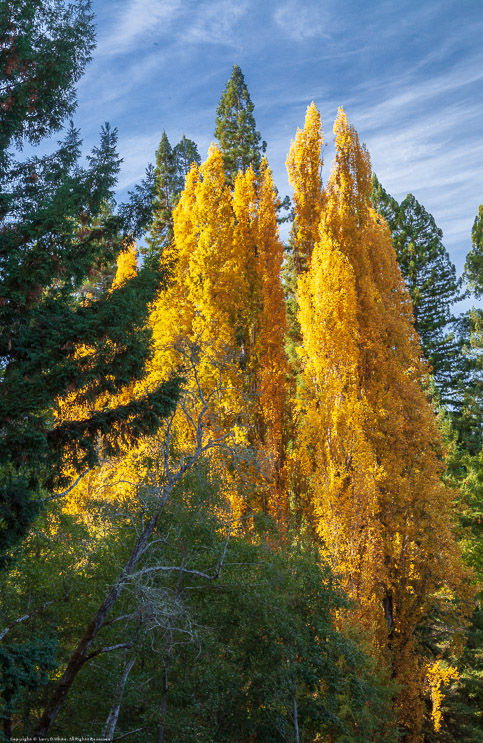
(409, 75)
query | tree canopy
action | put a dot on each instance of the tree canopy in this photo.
(231, 506)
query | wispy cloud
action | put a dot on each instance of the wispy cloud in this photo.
(420, 95)
(215, 22)
(300, 23)
(415, 98)
(139, 18)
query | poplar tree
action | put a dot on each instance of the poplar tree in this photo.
(226, 297)
(304, 166)
(236, 131)
(369, 442)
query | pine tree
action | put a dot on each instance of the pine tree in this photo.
(370, 445)
(430, 278)
(185, 154)
(52, 234)
(172, 167)
(474, 259)
(240, 142)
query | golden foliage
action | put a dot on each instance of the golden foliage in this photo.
(304, 164)
(438, 675)
(127, 266)
(369, 442)
(226, 297)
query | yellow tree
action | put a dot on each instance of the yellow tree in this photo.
(304, 164)
(369, 443)
(127, 266)
(226, 257)
(202, 303)
(271, 326)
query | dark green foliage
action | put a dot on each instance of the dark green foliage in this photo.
(172, 166)
(236, 131)
(56, 232)
(23, 667)
(185, 154)
(474, 259)
(463, 711)
(467, 418)
(462, 707)
(17, 511)
(137, 213)
(44, 47)
(223, 659)
(463, 703)
(430, 278)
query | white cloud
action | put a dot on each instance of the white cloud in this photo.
(300, 22)
(215, 22)
(418, 97)
(138, 18)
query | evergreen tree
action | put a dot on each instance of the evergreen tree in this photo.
(474, 259)
(240, 142)
(53, 232)
(172, 167)
(430, 278)
(185, 154)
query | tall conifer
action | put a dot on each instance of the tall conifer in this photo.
(430, 278)
(53, 232)
(236, 131)
(474, 259)
(172, 167)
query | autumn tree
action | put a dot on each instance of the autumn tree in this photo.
(304, 165)
(270, 329)
(226, 295)
(369, 439)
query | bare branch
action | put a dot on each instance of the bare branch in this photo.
(119, 619)
(24, 618)
(65, 492)
(125, 735)
(173, 568)
(109, 649)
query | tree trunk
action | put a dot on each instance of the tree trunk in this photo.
(111, 722)
(163, 705)
(296, 717)
(81, 653)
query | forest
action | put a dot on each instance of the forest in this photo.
(241, 481)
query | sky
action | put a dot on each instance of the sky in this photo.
(408, 73)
